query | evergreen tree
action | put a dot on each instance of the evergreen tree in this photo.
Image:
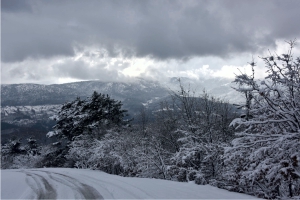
(81, 123)
(90, 116)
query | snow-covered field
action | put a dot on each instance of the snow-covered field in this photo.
(63, 183)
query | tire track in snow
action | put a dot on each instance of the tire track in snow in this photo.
(40, 186)
(134, 196)
(84, 190)
(71, 182)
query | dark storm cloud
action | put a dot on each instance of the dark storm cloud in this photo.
(15, 6)
(161, 29)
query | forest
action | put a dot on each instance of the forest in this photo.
(251, 148)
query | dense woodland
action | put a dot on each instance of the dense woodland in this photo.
(252, 148)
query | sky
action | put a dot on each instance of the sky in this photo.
(58, 41)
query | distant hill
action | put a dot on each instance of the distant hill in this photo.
(35, 94)
(26, 108)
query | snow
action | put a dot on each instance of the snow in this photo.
(51, 109)
(235, 122)
(10, 180)
(51, 134)
(64, 183)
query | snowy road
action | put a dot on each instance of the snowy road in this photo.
(62, 183)
(38, 181)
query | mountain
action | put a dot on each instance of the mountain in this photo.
(35, 94)
(26, 108)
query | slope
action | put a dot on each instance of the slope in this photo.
(63, 183)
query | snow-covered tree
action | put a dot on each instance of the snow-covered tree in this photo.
(204, 134)
(81, 121)
(114, 153)
(9, 150)
(32, 146)
(90, 116)
(12, 146)
(265, 158)
(16, 155)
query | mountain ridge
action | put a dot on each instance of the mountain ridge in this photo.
(26, 108)
(37, 94)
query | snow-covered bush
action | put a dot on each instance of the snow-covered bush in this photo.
(14, 155)
(153, 159)
(113, 153)
(265, 158)
(26, 161)
(80, 151)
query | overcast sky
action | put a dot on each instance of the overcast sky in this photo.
(57, 41)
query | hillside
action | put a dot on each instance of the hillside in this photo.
(26, 108)
(35, 94)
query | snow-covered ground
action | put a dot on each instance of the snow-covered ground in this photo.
(32, 110)
(63, 183)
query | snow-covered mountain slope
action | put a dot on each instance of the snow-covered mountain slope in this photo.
(137, 91)
(34, 111)
(26, 108)
(63, 183)
(24, 104)
(35, 94)
(27, 121)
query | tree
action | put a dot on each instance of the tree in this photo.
(143, 120)
(90, 116)
(32, 146)
(265, 158)
(204, 134)
(114, 153)
(13, 147)
(16, 155)
(82, 121)
(167, 121)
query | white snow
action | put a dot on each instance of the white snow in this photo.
(51, 109)
(63, 183)
(51, 134)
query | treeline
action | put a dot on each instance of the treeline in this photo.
(252, 148)
(91, 133)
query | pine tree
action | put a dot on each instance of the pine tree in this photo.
(90, 116)
(82, 121)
